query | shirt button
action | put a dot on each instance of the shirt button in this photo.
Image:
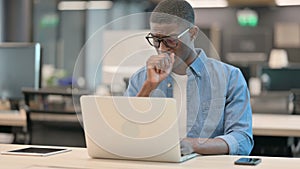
(169, 85)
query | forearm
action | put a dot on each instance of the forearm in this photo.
(146, 89)
(209, 146)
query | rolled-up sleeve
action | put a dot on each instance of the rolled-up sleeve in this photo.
(131, 88)
(135, 82)
(238, 116)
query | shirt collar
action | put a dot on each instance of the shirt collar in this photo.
(198, 64)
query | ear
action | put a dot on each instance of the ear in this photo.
(194, 32)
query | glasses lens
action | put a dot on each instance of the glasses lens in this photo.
(170, 42)
(167, 41)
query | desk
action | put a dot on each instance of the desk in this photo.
(276, 125)
(13, 119)
(18, 121)
(78, 159)
(68, 109)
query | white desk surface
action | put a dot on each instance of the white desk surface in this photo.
(276, 125)
(79, 159)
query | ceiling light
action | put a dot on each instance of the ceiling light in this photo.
(208, 3)
(84, 5)
(72, 5)
(287, 2)
(99, 4)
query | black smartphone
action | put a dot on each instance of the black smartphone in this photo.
(248, 161)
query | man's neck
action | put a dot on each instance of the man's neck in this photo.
(181, 67)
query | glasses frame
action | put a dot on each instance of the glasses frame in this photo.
(150, 35)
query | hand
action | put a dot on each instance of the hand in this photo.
(159, 67)
(186, 147)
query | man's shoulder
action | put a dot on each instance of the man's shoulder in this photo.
(220, 64)
(214, 62)
(140, 73)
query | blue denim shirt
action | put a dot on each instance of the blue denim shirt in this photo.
(218, 102)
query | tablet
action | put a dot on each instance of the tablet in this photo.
(36, 151)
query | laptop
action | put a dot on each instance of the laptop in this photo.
(132, 128)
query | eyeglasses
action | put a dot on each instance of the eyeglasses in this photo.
(168, 41)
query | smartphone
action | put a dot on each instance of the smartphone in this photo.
(247, 161)
(36, 151)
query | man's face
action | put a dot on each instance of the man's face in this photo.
(172, 30)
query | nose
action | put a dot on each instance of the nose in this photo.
(163, 48)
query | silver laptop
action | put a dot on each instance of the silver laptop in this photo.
(134, 128)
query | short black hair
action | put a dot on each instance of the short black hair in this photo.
(165, 11)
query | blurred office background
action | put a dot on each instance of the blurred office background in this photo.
(243, 33)
(261, 37)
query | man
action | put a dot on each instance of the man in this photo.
(214, 95)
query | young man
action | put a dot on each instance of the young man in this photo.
(213, 95)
